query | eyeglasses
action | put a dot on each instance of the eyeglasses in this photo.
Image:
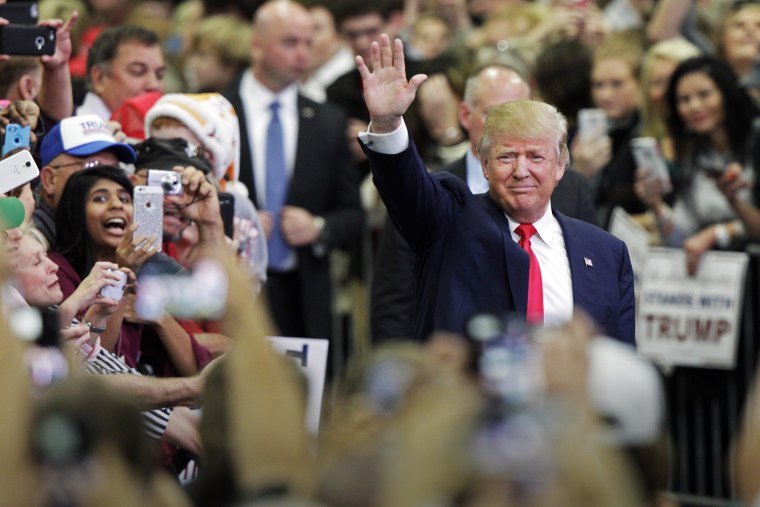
(85, 165)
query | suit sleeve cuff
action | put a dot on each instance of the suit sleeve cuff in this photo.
(391, 143)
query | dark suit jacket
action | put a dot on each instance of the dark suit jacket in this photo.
(325, 183)
(392, 302)
(466, 261)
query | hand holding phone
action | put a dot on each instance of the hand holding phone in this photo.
(227, 210)
(115, 292)
(592, 123)
(16, 137)
(647, 155)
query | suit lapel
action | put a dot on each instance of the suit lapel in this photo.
(517, 260)
(246, 162)
(581, 258)
(306, 132)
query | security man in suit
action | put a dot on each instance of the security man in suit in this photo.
(298, 170)
(504, 250)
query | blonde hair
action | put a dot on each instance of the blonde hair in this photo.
(624, 46)
(227, 36)
(675, 50)
(30, 230)
(525, 119)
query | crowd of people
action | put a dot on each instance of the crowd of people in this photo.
(417, 182)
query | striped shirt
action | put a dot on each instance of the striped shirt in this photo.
(103, 362)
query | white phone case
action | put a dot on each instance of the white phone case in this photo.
(148, 205)
(592, 123)
(647, 155)
(115, 292)
(16, 170)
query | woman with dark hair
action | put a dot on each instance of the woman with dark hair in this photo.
(711, 123)
(80, 241)
(91, 223)
(94, 224)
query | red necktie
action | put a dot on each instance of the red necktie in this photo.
(535, 285)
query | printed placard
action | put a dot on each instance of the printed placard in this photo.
(310, 354)
(635, 237)
(691, 321)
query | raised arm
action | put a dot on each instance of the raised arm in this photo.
(56, 97)
(387, 92)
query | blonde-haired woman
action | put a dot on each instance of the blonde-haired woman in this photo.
(659, 63)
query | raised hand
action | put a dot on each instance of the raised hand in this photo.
(88, 291)
(132, 252)
(387, 92)
(63, 46)
(649, 188)
(733, 182)
(199, 203)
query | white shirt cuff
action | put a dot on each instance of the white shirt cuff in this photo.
(391, 143)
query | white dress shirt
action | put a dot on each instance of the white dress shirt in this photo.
(93, 104)
(256, 99)
(548, 243)
(316, 86)
(475, 180)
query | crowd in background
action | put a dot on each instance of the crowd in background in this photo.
(171, 400)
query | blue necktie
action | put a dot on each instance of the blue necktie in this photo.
(277, 189)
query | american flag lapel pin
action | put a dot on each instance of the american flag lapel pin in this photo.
(588, 262)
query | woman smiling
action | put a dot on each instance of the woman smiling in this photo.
(94, 224)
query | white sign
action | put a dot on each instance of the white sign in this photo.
(635, 237)
(310, 354)
(694, 321)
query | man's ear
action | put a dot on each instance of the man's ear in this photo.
(27, 88)
(97, 78)
(484, 165)
(47, 179)
(464, 115)
(560, 172)
(256, 50)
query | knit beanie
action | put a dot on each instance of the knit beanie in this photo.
(212, 119)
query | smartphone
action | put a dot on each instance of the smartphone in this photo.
(115, 292)
(27, 40)
(16, 137)
(20, 13)
(227, 209)
(148, 205)
(592, 123)
(17, 170)
(647, 155)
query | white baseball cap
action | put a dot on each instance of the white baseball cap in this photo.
(81, 136)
